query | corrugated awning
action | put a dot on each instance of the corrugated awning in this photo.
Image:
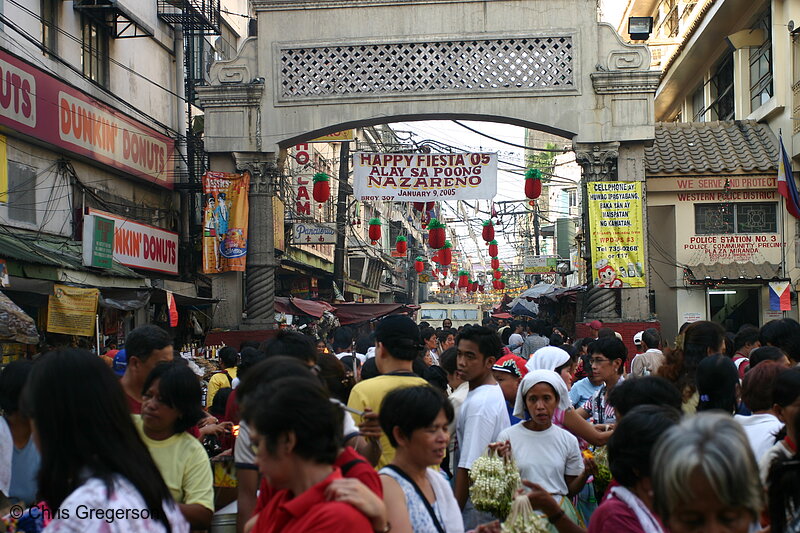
(748, 272)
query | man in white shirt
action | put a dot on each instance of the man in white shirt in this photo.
(483, 414)
(648, 362)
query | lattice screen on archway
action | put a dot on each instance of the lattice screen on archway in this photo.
(536, 63)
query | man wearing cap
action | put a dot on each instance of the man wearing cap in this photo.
(397, 345)
(508, 372)
(648, 362)
(637, 342)
(594, 328)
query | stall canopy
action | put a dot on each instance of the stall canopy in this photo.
(15, 324)
(353, 313)
(298, 306)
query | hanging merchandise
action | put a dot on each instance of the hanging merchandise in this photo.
(463, 279)
(446, 254)
(375, 230)
(419, 264)
(322, 187)
(436, 234)
(481, 288)
(488, 230)
(495, 263)
(401, 244)
(497, 274)
(533, 184)
(493, 250)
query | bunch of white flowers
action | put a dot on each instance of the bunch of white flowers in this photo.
(494, 481)
(523, 519)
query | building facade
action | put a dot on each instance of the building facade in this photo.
(95, 109)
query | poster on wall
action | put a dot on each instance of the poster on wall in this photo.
(424, 177)
(225, 213)
(72, 310)
(617, 233)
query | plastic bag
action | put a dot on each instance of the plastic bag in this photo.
(523, 519)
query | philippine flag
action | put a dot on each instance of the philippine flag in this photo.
(780, 296)
(786, 185)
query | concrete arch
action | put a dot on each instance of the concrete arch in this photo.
(291, 141)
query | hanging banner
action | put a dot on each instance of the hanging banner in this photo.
(424, 177)
(617, 233)
(72, 310)
(172, 309)
(225, 213)
(540, 264)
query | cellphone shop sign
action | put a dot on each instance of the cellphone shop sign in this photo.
(37, 104)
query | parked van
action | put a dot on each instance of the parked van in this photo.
(459, 314)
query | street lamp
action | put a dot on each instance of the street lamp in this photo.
(640, 28)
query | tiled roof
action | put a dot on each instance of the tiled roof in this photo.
(712, 148)
(735, 272)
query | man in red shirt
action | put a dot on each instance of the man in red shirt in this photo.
(296, 434)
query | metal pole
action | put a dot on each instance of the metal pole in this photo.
(341, 215)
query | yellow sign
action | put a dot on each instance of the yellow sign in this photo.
(339, 136)
(72, 310)
(617, 233)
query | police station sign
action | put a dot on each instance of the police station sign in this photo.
(34, 103)
(424, 177)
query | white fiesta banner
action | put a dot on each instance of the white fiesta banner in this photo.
(424, 177)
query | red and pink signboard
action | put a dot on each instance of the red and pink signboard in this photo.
(37, 104)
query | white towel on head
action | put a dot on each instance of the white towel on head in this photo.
(541, 376)
(547, 358)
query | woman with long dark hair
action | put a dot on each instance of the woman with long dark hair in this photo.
(698, 341)
(92, 456)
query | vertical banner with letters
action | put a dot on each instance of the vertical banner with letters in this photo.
(72, 310)
(617, 233)
(225, 212)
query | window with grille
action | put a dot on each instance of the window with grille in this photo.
(728, 218)
(761, 67)
(94, 56)
(21, 192)
(722, 93)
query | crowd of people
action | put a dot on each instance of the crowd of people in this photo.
(380, 430)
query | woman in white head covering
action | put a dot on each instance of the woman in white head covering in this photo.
(560, 362)
(545, 453)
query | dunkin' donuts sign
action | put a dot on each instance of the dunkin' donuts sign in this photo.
(37, 104)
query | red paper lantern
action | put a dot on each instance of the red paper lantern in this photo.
(463, 279)
(436, 234)
(533, 183)
(401, 244)
(473, 287)
(488, 231)
(502, 284)
(493, 251)
(446, 254)
(481, 288)
(419, 265)
(375, 230)
(496, 284)
(452, 284)
(495, 263)
(322, 187)
(497, 274)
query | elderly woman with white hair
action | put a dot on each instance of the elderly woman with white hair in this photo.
(545, 454)
(560, 362)
(705, 477)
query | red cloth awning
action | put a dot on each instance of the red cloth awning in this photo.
(297, 306)
(504, 316)
(353, 313)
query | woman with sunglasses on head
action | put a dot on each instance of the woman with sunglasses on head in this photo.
(92, 457)
(171, 399)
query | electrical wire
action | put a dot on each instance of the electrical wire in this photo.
(507, 142)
